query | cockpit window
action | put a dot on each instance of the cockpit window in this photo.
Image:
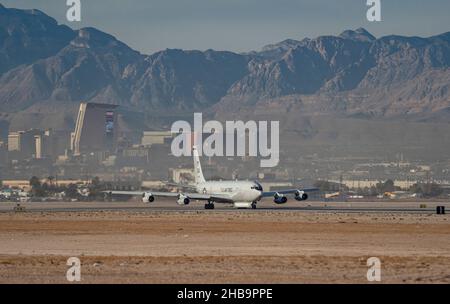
(257, 186)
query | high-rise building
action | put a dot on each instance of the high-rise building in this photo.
(95, 129)
(23, 143)
(51, 144)
(14, 141)
(39, 146)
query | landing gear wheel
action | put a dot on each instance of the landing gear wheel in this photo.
(253, 205)
(209, 206)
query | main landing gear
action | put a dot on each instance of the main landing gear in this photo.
(254, 205)
(209, 206)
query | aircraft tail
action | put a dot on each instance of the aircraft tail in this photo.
(198, 173)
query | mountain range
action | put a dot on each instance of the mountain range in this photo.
(45, 65)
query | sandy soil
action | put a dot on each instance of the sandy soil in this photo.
(224, 247)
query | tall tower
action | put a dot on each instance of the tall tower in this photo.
(95, 129)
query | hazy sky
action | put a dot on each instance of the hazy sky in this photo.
(242, 25)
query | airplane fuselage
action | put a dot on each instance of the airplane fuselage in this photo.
(238, 191)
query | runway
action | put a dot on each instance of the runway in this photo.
(264, 206)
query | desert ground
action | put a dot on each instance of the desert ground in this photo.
(229, 246)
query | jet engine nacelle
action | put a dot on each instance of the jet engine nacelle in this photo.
(279, 199)
(183, 200)
(147, 197)
(301, 195)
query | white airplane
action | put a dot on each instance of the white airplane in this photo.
(242, 194)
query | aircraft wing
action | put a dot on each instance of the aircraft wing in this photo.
(141, 193)
(289, 191)
(195, 196)
(181, 185)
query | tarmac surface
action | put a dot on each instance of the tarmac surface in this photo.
(167, 205)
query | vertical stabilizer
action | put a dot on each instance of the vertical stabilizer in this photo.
(198, 173)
